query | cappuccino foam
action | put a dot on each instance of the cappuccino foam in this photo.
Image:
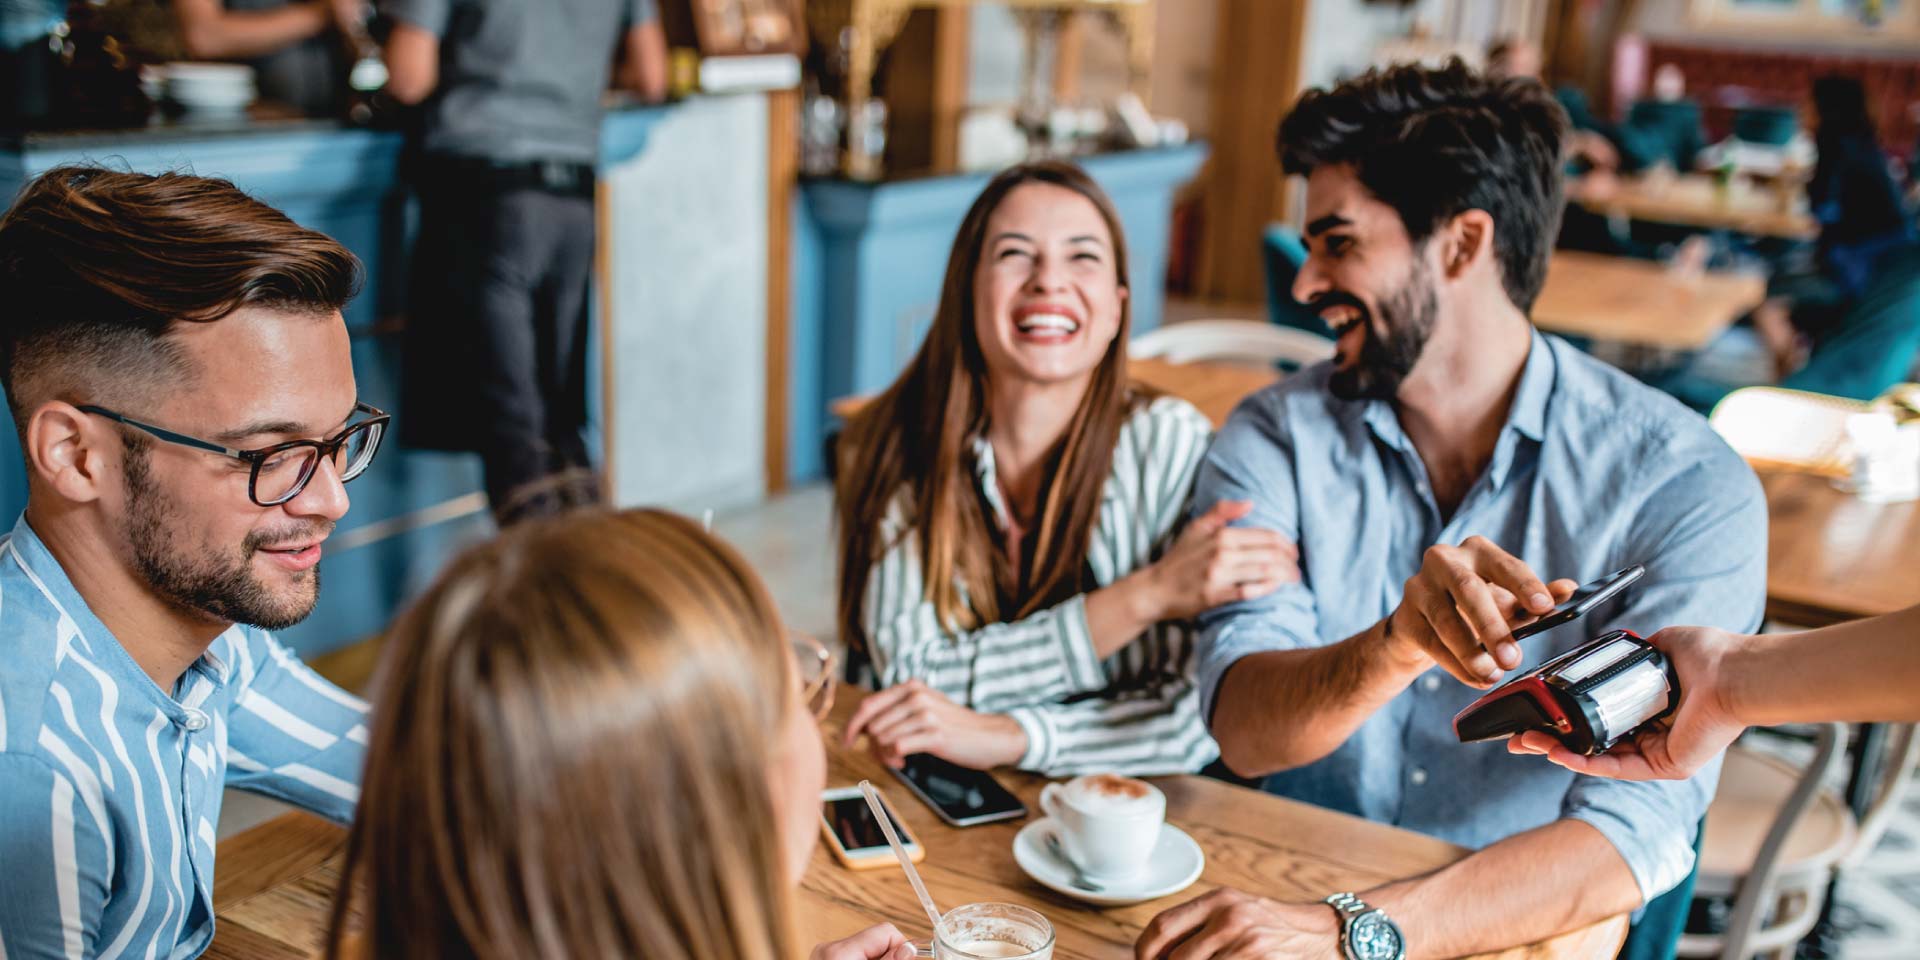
(1112, 795)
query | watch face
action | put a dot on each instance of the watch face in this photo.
(1374, 937)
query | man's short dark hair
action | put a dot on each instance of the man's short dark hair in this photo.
(97, 265)
(1434, 143)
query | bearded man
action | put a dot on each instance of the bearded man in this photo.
(1433, 475)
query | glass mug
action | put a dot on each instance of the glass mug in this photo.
(990, 931)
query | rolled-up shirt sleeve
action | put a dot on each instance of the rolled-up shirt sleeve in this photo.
(1703, 538)
(295, 736)
(1252, 459)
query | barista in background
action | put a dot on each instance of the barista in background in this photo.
(495, 351)
(294, 46)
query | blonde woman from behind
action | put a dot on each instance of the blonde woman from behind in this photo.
(591, 739)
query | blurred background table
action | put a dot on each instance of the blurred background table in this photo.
(1697, 200)
(1832, 556)
(1640, 302)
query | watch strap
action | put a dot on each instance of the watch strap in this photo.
(1347, 904)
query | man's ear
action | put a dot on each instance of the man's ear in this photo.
(65, 449)
(1469, 242)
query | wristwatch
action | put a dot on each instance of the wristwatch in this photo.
(1365, 932)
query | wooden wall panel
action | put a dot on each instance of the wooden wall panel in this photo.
(1256, 78)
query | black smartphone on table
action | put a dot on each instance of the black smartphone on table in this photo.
(1584, 599)
(962, 797)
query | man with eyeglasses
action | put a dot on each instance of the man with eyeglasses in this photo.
(181, 380)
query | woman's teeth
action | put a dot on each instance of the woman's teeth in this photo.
(1046, 321)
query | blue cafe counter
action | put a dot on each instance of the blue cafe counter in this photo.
(680, 399)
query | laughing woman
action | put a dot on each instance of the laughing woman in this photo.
(1011, 513)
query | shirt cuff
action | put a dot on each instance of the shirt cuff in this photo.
(1040, 738)
(1658, 859)
(1075, 638)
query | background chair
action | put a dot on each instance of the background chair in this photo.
(1667, 131)
(1244, 341)
(1776, 836)
(1769, 126)
(1773, 837)
(1871, 349)
(1284, 252)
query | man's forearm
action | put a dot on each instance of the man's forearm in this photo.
(238, 35)
(1864, 670)
(1524, 889)
(1280, 709)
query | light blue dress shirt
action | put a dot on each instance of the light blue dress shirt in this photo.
(1593, 472)
(110, 787)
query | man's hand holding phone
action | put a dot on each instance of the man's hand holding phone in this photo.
(1461, 608)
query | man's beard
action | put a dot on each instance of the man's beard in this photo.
(223, 588)
(1408, 316)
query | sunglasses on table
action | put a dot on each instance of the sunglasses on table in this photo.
(280, 471)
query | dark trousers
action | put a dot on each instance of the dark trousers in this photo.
(497, 336)
(26, 83)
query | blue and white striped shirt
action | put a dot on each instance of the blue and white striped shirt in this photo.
(110, 787)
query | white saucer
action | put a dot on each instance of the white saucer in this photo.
(1176, 864)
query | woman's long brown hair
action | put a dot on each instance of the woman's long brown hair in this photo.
(569, 755)
(914, 440)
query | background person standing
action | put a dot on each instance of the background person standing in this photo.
(495, 349)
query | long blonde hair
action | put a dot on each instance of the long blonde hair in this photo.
(916, 438)
(569, 754)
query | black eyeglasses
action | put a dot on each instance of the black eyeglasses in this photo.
(281, 471)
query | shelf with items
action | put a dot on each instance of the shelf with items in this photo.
(858, 31)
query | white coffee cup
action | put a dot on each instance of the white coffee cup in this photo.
(1109, 824)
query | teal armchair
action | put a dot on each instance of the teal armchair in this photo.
(1284, 252)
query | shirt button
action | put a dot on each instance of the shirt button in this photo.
(1419, 776)
(1429, 683)
(195, 722)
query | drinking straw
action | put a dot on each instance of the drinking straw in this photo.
(899, 850)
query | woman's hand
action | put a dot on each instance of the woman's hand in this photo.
(915, 718)
(881, 942)
(1213, 564)
(1675, 748)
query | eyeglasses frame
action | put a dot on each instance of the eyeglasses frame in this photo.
(378, 419)
(824, 687)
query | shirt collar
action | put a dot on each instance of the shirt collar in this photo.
(40, 564)
(989, 480)
(1527, 417)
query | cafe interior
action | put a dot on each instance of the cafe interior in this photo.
(773, 199)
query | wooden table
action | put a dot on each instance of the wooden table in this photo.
(1833, 557)
(1214, 387)
(1697, 200)
(275, 881)
(1641, 302)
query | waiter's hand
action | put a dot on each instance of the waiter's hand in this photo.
(1229, 924)
(1460, 610)
(1675, 748)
